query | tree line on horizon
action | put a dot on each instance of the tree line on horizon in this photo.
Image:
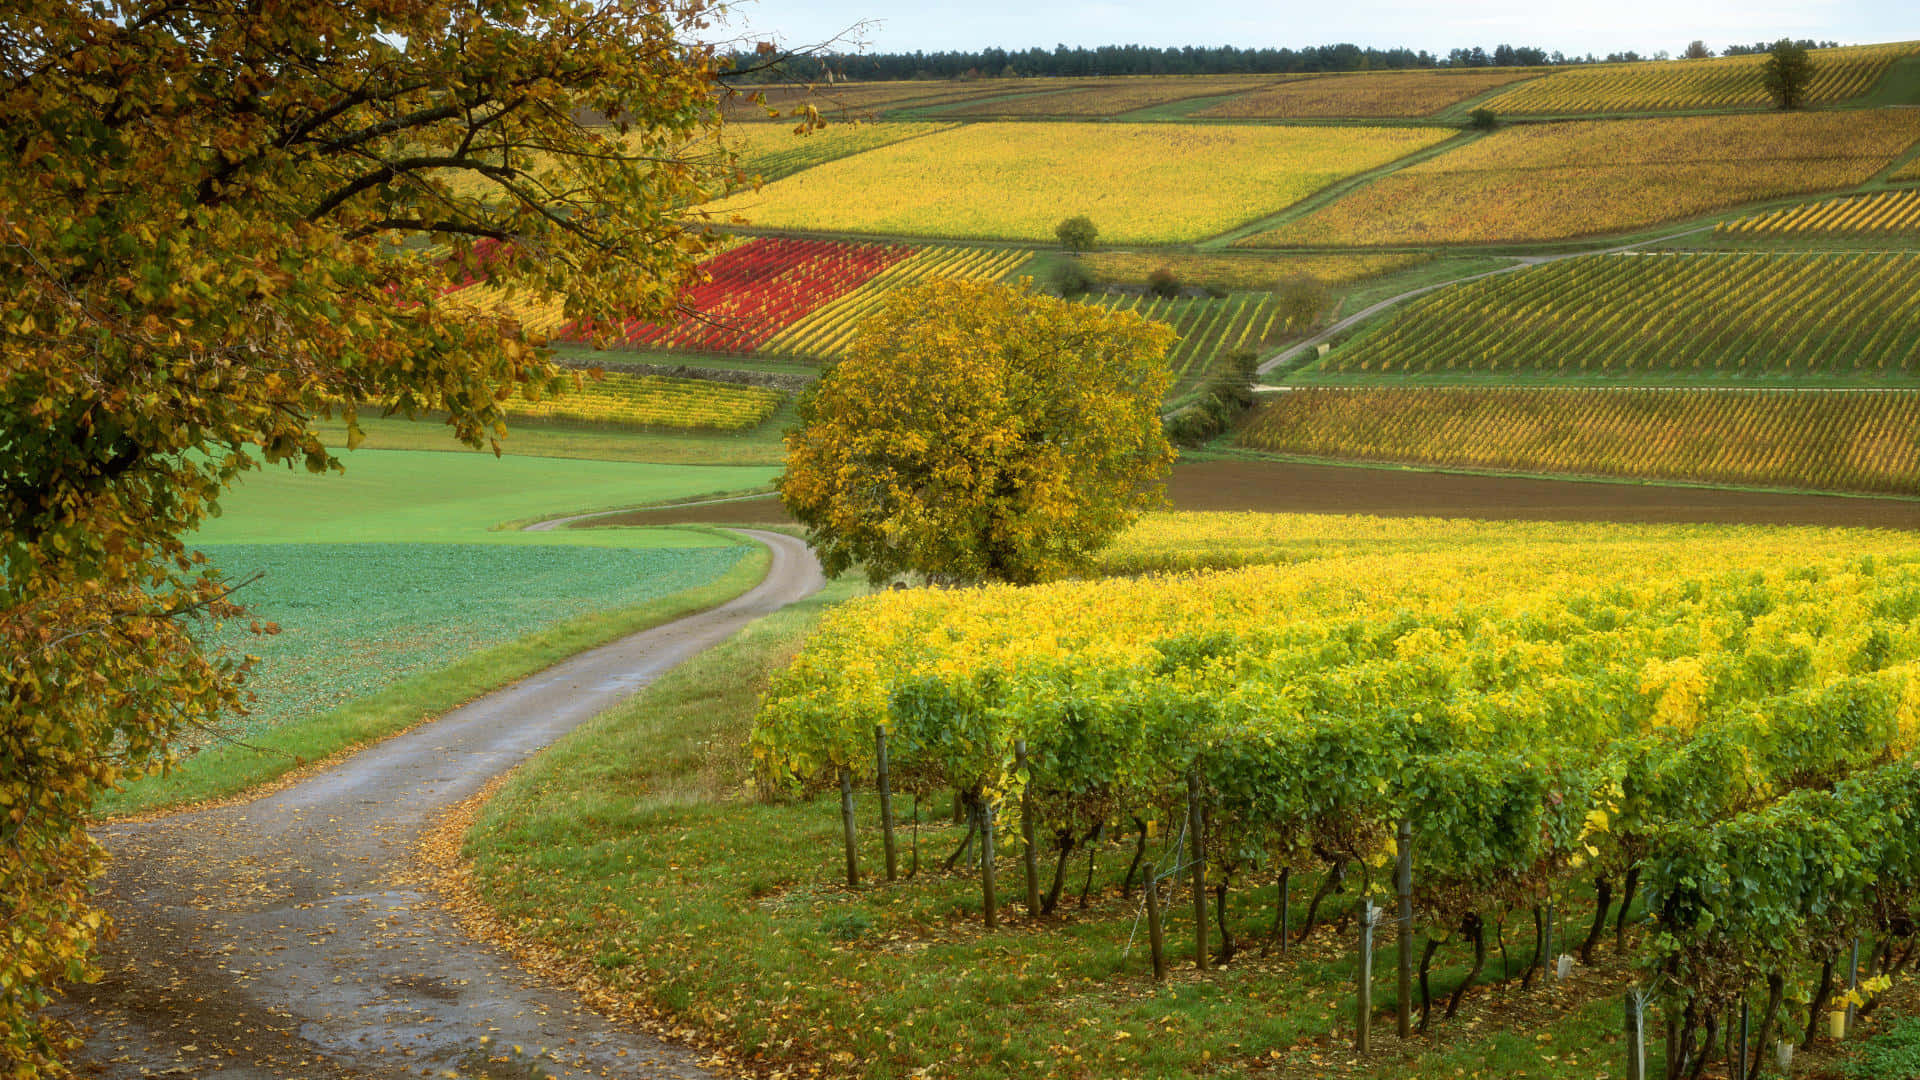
(1183, 60)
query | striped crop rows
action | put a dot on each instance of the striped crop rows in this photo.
(1878, 213)
(1711, 311)
(1733, 81)
(825, 333)
(1836, 440)
(1208, 327)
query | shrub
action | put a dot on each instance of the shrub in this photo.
(1163, 282)
(1070, 278)
(1482, 119)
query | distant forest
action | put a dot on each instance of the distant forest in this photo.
(1189, 60)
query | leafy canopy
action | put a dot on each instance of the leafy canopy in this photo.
(1077, 233)
(1787, 73)
(214, 222)
(980, 432)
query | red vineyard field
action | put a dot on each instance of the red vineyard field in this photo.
(753, 292)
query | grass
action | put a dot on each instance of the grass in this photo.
(228, 768)
(549, 439)
(386, 495)
(1141, 183)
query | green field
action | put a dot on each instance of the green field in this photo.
(455, 497)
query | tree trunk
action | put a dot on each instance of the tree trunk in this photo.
(1476, 932)
(1680, 1045)
(1539, 942)
(913, 863)
(1086, 887)
(1776, 985)
(1139, 852)
(1602, 899)
(1063, 840)
(1227, 947)
(1426, 990)
(1821, 993)
(1279, 932)
(1500, 939)
(1706, 1045)
(1335, 876)
(1626, 901)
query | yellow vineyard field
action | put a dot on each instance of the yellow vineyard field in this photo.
(1111, 97)
(1245, 271)
(1552, 181)
(771, 151)
(1879, 212)
(623, 400)
(1366, 94)
(1728, 82)
(1140, 183)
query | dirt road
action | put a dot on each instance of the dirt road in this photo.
(285, 937)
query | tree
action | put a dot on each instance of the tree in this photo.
(980, 432)
(1483, 119)
(1787, 73)
(1301, 300)
(213, 230)
(1076, 233)
(1697, 50)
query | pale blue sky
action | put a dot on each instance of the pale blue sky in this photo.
(1568, 25)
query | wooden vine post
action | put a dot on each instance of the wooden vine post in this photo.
(1195, 821)
(886, 800)
(1030, 857)
(1363, 1009)
(846, 826)
(1853, 989)
(992, 901)
(1403, 928)
(1156, 936)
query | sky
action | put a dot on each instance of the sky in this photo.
(1575, 27)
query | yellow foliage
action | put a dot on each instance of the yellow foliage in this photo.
(1726, 82)
(1139, 183)
(1552, 181)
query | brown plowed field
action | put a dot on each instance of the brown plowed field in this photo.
(1332, 489)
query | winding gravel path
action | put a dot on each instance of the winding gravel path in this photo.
(284, 938)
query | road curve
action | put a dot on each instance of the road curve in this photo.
(282, 937)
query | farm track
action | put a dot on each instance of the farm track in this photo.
(1299, 488)
(291, 936)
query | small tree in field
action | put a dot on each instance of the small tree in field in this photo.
(979, 432)
(1302, 298)
(1787, 73)
(1696, 50)
(1077, 233)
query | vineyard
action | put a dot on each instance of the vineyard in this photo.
(1208, 328)
(1366, 94)
(1722, 313)
(1727, 82)
(1141, 183)
(1553, 181)
(771, 151)
(1877, 213)
(1108, 98)
(1245, 271)
(825, 333)
(1527, 718)
(654, 401)
(1834, 441)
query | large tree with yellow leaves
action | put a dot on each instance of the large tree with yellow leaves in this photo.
(979, 432)
(217, 218)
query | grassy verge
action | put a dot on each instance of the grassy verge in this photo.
(227, 769)
(634, 846)
(532, 438)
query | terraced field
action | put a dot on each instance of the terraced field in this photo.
(1249, 271)
(1140, 183)
(1554, 181)
(1107, 97)
(1367, 94)
(1726, 82)
(1835, 440)
(1879, 213)
(1630, 315)
(1209, 328)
